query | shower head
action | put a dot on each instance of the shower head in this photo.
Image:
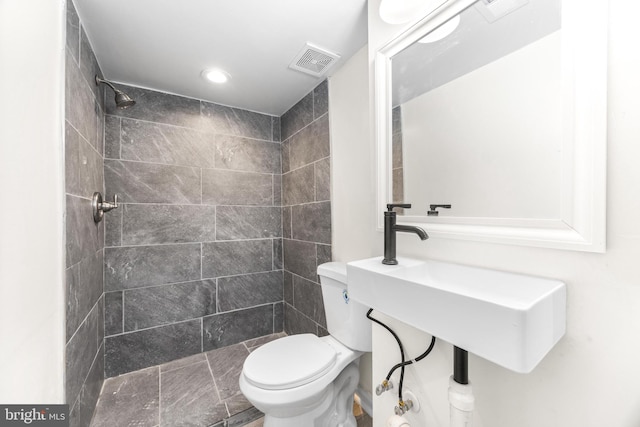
(122, 99)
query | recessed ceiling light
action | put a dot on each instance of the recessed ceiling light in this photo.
(216, 75)
(442, 31)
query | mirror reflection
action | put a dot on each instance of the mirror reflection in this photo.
(477, 114)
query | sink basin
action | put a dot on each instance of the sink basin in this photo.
(510, 319)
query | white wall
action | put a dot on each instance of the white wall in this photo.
(31, 193)
(589, 378)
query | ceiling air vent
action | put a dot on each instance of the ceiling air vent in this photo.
(313, 60)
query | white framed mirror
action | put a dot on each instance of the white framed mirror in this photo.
(504, 119)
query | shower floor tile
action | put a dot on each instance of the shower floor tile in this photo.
(197, 391)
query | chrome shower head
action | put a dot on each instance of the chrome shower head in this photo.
(122, 99)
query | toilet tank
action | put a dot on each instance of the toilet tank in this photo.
(346, 319)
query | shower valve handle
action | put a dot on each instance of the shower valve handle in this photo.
(99, 207)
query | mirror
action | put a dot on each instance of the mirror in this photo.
(503, 119)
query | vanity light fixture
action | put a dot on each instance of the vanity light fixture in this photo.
(216, 75)
(402, 11)
(442, 31)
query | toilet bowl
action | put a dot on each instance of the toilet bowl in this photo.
(305, 380)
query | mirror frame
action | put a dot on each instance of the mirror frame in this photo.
(582, 225)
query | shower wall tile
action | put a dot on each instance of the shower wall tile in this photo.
(133, 267)
(84, 240)
(91, 390)
(243, 154)
(278, 317)
(160, 143)
(136, 182)
(306, 197)
(249, 290)
(222, 187)
(277, 254)
(234, 121)
(322, 171)
(277, 189)
(83, 165)
(80, 103)
(113, 313)
(307, 299)
(184, 169)
(285, 157)
(248, 222)
(146, 224)
(84, 288)
(224, 329)
(286, 222)
(288, 287)
(298, 186)
(321, 99)
(149, 347)
(113, 227)
(112, 132)
(73, 31)
(90, 68)
(312, 222)
(310, 144)
(298, 116)
(157, 107)
(160, 305)
(297, 323)
(83, 235)
(80, 354)
(236, 257)
(324, 253)
(275, 129)
(300, 258)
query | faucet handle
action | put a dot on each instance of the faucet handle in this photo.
(390, 206)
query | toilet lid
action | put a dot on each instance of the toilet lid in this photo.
(289, 362)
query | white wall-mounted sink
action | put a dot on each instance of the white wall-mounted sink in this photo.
(510, 319)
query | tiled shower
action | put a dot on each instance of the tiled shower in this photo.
(224, 216)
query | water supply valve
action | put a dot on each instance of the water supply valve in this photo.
(386, 385)
(403, 407)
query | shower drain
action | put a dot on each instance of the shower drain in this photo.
(240, 419)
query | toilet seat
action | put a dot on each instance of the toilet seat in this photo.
(289, 362)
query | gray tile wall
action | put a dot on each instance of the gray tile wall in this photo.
(306, 212)
(193, 257)
(84, 124)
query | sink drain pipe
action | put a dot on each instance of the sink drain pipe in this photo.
(461, 400)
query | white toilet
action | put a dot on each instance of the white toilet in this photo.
(306, 381)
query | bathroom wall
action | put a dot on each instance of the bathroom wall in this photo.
(193, 257)
(84, 130)
(32, 193)
(306, 212)
(588, 379)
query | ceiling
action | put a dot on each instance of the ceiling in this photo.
(165, 45)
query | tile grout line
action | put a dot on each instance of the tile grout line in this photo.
(159, 396)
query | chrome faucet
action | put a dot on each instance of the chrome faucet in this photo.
(390, 228)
